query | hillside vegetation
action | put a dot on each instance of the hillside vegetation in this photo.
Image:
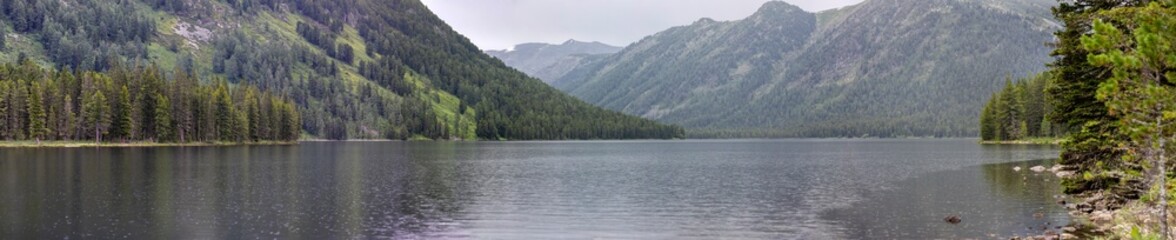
(354, 68)
(886, 68)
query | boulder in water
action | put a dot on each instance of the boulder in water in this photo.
(953, 219)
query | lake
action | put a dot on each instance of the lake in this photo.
(731, 189)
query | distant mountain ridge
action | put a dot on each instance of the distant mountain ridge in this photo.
(549, 62)
(879, 68)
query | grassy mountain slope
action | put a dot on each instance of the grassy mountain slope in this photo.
(879, 68)
(356, 68)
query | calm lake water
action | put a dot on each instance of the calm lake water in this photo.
(743, 189)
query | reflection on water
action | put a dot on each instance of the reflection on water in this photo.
(809, 189)
(993, 200)
(216, 193)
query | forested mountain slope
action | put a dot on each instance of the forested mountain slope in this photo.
(549, 62)
(879, 68)
(354, 68)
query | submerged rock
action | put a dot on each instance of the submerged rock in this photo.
(1084, 207)
(1017, 168)
(953, 219)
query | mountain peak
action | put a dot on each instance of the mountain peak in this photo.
(705, 20)
(777, 7)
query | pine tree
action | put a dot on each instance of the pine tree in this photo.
(50, 94)
(1072, 96)
(18, 110)
(36, 114)
(163, 120)
(5, 87)
(987, 121)
(206, 120)
(226, 115)
(276, 122)
(240, 126)
(293, 124)
(253, 115)
(1012, 117)
(96, 114)
(183, 86)
(149, 88)
(1034, 104)
(68, 121)
(1140, 91)
(122, 115)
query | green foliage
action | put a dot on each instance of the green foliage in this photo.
(122, 124)
(36, 111)
(5, 100)
(341, 64)
(96, 114)
(84, 35)
(859, 73)
(1137, 234)
(1140, 92)
(164, 129)
(3, 38)
(1071, 96)
(509, 104)
(1017, 112)
(49, 111)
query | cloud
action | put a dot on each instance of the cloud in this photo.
(500, 24)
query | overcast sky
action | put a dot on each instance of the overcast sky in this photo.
(500, 24)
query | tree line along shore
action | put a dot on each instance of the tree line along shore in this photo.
(136, 105)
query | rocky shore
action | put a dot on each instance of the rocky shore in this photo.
(1096, 215)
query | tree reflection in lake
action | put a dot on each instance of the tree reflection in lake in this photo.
(227, 192)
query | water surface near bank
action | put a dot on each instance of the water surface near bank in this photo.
(992, 200)
(705, 189)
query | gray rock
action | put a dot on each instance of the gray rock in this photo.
(1101, 216)
(1037, 169)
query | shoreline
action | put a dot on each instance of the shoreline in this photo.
(1098, 214)
(81, 144)
(1032, 141)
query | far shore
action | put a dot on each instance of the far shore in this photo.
(1031, 141)
(81, 144)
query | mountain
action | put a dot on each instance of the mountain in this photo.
(880, 68)
(354, 68)
(549, 62)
